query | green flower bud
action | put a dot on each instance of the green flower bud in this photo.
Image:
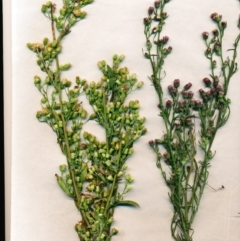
(44, 100)
(44, 8)
(63, 167)
(140, 84)
(72, 21)
(45, 41)
(49, 4)
(110, 178)
(128, 178)
(115, 57)
(37, 80)
(69, 182)
(129, 188)
(77, 12)
(114, 231)
(63, 11)
(83, 15)
(121, 57)
(65, 67)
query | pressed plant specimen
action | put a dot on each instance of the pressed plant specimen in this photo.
(183, 115)
(94, 175)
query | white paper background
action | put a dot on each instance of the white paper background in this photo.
(39, 209)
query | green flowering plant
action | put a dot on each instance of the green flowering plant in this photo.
(107, 160)
(95, 174)
(181, 113)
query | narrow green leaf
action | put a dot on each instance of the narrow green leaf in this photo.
(127, 203)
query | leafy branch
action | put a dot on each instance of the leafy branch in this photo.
(94, 170)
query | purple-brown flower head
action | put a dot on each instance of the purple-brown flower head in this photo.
(207, 82)
(157, 4)
(176, 83)
(216, 17)
(150, 10)
(215, 32)
(188, 86)
(168, 104)
(146, 21)
(205, 35)
(190, 94)
(224, 24)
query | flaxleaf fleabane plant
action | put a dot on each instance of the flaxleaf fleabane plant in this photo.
(106, 160)
(181, 113)
(93, 173)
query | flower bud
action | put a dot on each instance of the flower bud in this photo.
(188, 86)
(49, 4)
(207, 82)
(205, 35)
(224, 24)
(37, 80)
(65, 66)
(165, 39)
(150, 10)
(216, 17)
(110, 178)
(168, 104)
(190, 94)
(121, 57)
(176, 83)
(146, 21)
(181, 103)
(185, 94)
(63, 167)
(157, 4)
(45, 41)
(77, 12)
(44, 8)
(215, 32)
(83, 14)
(219, 88)
(215, 81)
(114, 231)
(140, 84)
(198, 103)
